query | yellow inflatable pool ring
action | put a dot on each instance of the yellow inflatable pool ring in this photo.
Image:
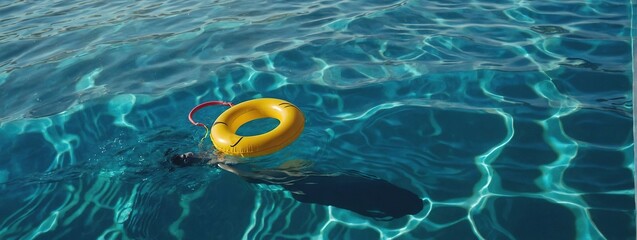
(223, 131)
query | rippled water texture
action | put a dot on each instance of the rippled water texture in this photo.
(511, 119)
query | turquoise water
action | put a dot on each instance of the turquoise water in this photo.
(511, 119)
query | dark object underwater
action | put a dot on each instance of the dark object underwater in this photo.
(351, 190)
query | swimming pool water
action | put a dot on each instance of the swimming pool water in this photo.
(511, 119)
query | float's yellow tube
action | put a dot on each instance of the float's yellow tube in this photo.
(223, 130)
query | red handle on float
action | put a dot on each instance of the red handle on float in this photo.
(203, 105)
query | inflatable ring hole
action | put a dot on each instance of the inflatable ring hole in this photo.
(257, 127)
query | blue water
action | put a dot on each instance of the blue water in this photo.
(511, 119)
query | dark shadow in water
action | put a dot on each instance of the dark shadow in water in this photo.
(352, 190)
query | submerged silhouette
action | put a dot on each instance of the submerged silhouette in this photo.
(366, 195)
